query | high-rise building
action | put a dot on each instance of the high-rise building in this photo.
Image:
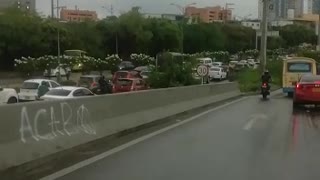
(313, 6)
(295, 6)
(29, 5)
(277, 9)
(299, 8)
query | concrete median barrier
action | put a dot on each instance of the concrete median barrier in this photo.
(33, 130)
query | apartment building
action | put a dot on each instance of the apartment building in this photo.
(209, 14)
(78, 15)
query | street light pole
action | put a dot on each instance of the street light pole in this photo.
(59, 62)
(183, 12)
(263, 47)
(117, 38)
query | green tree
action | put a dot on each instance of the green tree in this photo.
(87, 37)
(238, 38)
(166, 36)
(295, 35)
(203, 37)
(20, 36)
(133, 35)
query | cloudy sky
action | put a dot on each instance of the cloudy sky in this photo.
(241, 7)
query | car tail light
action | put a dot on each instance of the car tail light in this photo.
(299, 86)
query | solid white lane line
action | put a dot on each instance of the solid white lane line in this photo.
(89, 161)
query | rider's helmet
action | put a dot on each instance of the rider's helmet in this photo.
(266, 72)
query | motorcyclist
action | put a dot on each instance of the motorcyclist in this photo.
(103, 84)
(266, 78)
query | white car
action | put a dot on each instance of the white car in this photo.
(55, 72)
(29, 89)
(243, 62)
(217, 73)
(217, 64)
(8, 96)
(145, 74)
(206, 61)
(66, 92)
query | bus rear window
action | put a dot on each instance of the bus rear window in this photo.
(299, 67)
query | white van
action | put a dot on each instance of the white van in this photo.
(205, 61)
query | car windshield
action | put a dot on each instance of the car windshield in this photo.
(216, 64)
(124, 82)
(58, 92)
(299, 67)
(145, 73)
(30, 85)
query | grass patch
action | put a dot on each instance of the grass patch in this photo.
(275, 69)
(249, 80)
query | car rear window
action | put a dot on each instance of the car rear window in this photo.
(215, 69)
(86, 80)
(124, 82)
(30, 85)
(58, 92)
(310, 78)
(121, 74)
(299, 67)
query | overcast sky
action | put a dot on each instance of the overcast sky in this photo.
(241, 7)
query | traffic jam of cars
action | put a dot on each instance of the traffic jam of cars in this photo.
(128, 78)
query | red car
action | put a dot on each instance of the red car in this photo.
(125, 74)
(307, 90)
(129, 84)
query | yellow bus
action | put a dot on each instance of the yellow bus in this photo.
(293, 69)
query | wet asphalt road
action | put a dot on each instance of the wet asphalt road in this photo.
(249, 140)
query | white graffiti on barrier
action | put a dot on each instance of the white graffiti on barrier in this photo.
(68, 123)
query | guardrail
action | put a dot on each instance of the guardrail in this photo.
(33, 130)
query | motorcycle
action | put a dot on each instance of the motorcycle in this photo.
(264, 90)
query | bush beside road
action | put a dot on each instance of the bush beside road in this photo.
(249, 79)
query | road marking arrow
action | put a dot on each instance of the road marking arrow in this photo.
(253, 119)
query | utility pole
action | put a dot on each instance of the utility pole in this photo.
(57, 9)
(264, 29)
(318, 47)
(111, 10)
(52, 8)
